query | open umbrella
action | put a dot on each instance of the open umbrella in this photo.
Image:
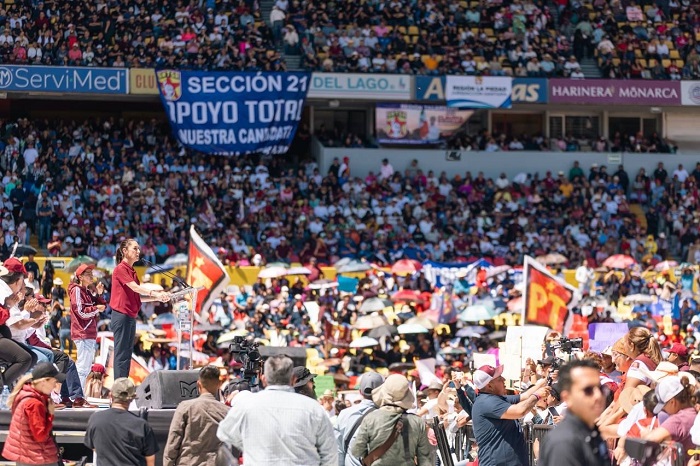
(177, 259)
(272, 272)
(402, 366)
(619, 261)
(364, 342)
(477, 313)
(78, 261)
(323, 284)
(229, 336)
(451, 351)
(406, 267)
(298, 271)
(353, 267)
(638, 299)
(493, 271)
(383, 331)
(372, 305)
(19, 250)
(467, 332)
(407, 329)
(552, 259)
(422, 321)
(665, 265)
(369, 322)
(106, 263)
(497, 335)
(406, 296)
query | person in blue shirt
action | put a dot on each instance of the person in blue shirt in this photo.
(496, 418)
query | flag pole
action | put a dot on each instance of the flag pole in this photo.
(523, 312)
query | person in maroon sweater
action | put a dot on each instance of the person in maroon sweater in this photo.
(85, 308)
(126, 302)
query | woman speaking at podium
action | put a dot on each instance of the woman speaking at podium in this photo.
(126, 302)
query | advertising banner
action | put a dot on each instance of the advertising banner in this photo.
(614, 92)
(234, 113)
(478, 91)
(417, 124)
(360, 86)
(142, 81)
(63, 79)
(525, 90)
(690, 92)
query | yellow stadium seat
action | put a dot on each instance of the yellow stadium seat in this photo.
(402, 30)
(642, 62)
(670, 45)
(591, 15)
(488, 32)
(414, 39)
(464, 4)
(407, 39)
(666, 63)
(674, 55)
(638, 53)
(616, 61)
(680, 63)
(413, 31)
(652, 63)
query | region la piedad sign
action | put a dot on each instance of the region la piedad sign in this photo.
(614, 92)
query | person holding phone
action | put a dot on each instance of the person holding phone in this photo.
(126, 302)
(86, 304)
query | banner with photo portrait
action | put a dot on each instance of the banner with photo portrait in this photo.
(418, 124)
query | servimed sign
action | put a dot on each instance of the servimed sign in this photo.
(61, 79)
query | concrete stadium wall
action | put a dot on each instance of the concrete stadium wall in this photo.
(492, 163)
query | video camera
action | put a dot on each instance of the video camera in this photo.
(245, 352)
(568, 345)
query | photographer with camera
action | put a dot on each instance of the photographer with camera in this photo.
(278, 426)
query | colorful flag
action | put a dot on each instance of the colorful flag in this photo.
(547, 298)
(205, 270)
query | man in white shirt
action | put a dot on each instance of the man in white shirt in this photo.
(681, 173)
(386, 171)
(278, 426)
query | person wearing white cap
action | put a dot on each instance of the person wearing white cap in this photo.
(675, 397)
(496, 418)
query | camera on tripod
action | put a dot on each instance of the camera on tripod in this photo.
(245, 352)
(568, 345)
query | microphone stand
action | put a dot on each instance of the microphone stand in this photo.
(159, 269)
(185, 316)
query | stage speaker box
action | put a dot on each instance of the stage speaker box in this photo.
(298, 355)
(166, 389)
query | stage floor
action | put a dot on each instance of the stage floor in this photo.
(72, 422)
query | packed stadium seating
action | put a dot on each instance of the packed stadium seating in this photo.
(512, 37)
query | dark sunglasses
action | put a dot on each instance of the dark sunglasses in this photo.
(588, 391)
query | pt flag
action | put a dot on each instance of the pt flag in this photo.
(546, 297)
(205, 270)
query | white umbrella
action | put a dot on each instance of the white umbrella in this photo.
(322, 284)
(493, 271)
(228, 336)
(272, 272)
(369, 322)
(177, 259)
(298, 271)
(372, 305)
(411, 328)
(354, 266)
(106, 263)
(364, 342)
(476, 313)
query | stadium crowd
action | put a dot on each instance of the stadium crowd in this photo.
(513, 37)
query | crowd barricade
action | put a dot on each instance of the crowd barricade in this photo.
(671, 454)
(443, 443)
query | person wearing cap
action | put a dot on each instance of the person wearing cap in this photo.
(394, 398)
(678, 355)
(118, 436)
(192, 437)
(495, 417)
(278, 426)
(94, 383)
(576, 440)
(125, 302)
(30, 438)
(86, 304)
(19, 357)
(304, 382)
(674, 396)
(349, 419)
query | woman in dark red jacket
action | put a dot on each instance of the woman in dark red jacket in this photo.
(30, 439)
(85, 308)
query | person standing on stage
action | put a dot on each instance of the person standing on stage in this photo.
(126, 302)
(85, 308)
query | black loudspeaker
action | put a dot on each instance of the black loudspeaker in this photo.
(298, 355)
(166, 389)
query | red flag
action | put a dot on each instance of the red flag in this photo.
(546, 298)
(205, 270)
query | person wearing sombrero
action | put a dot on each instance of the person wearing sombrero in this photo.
(389, 436)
